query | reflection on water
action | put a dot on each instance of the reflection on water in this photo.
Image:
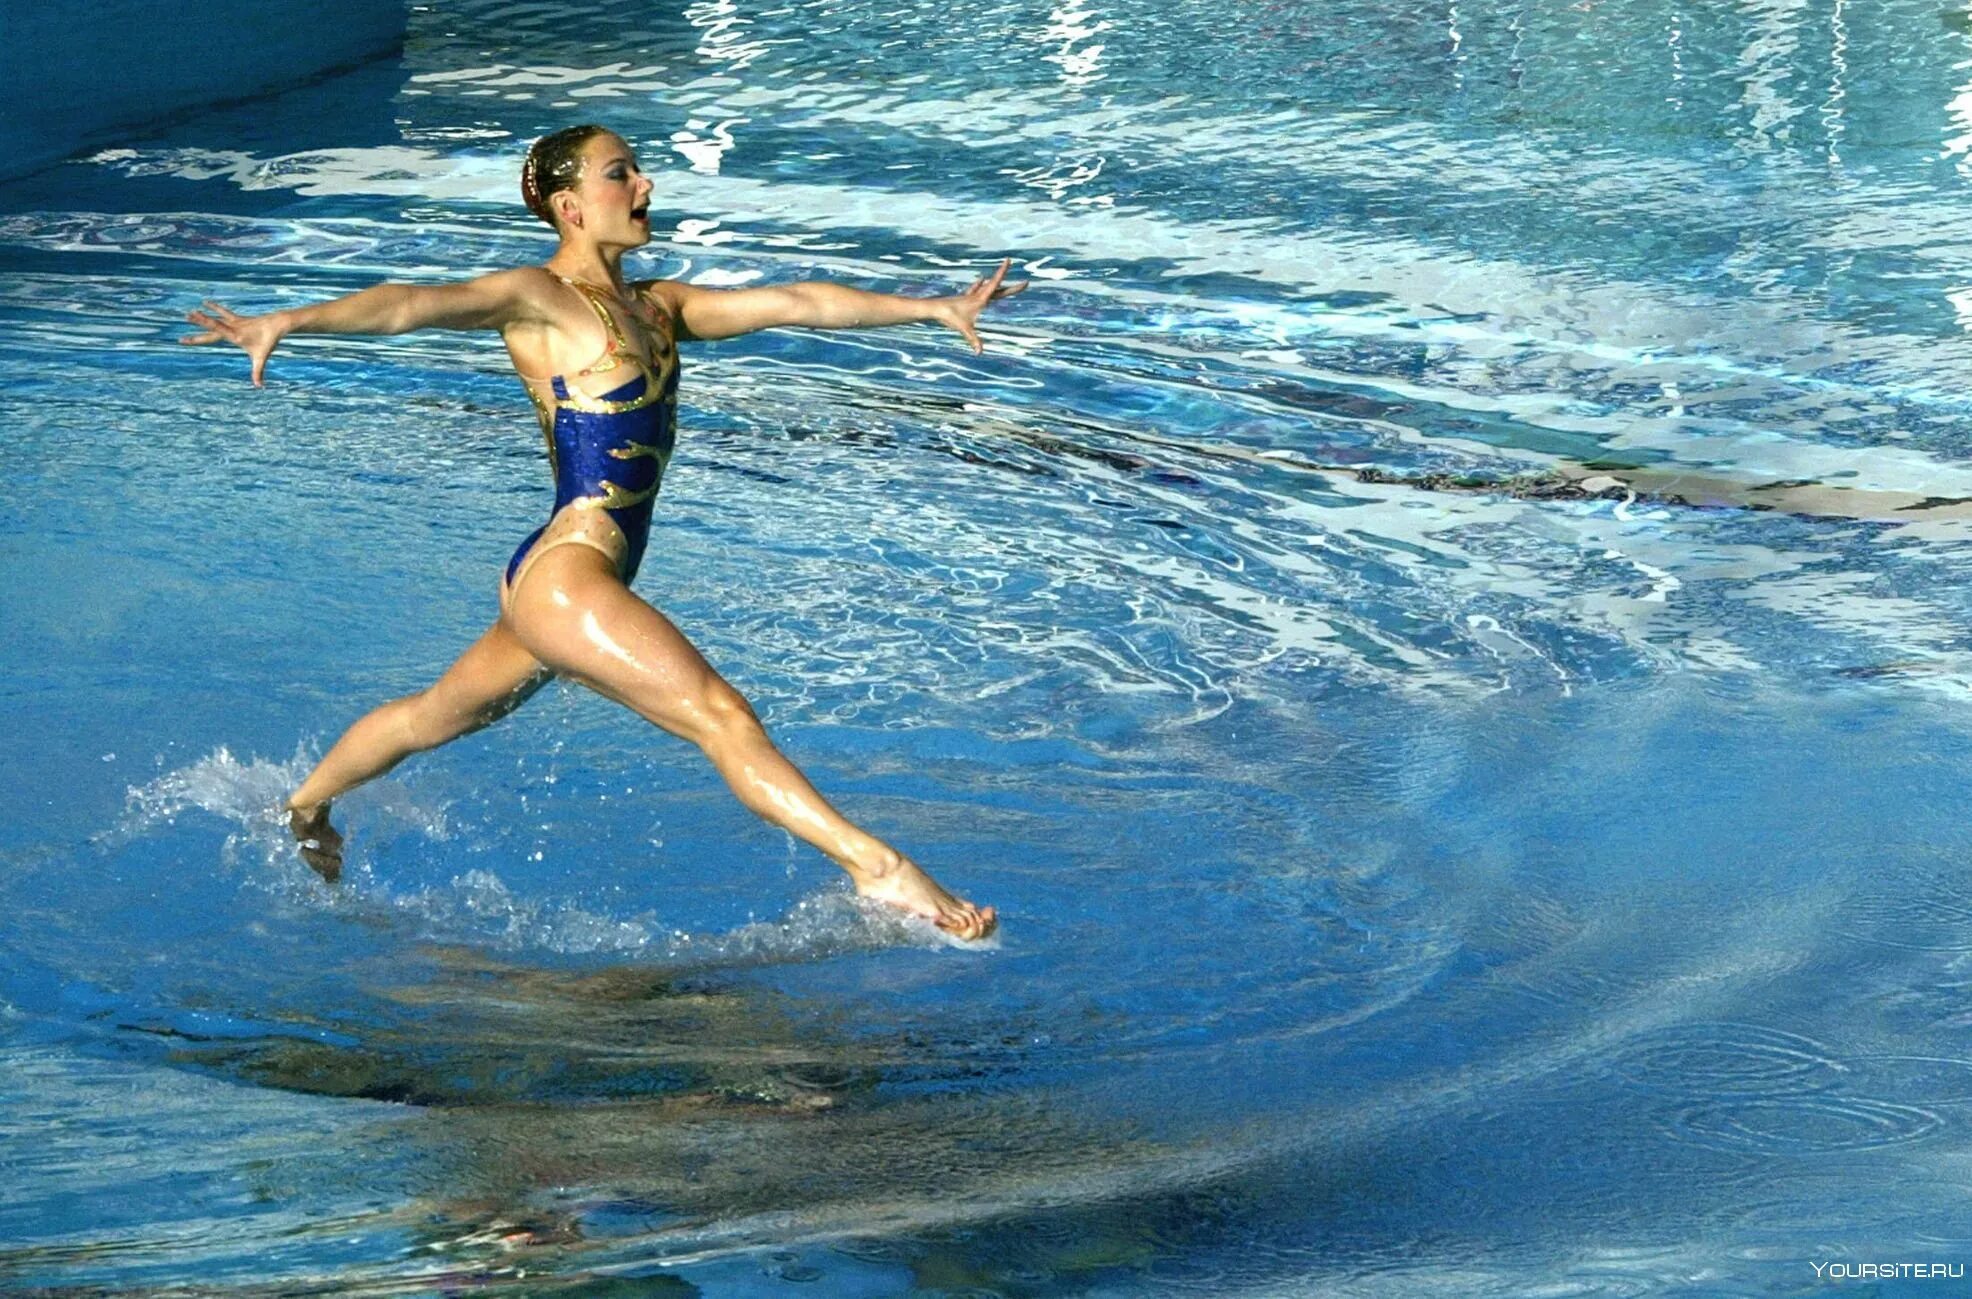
(1438, 620)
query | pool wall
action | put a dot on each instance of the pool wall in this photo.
(134, 64)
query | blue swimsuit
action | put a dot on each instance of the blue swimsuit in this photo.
(609, 452)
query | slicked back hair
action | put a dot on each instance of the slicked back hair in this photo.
(554, 163)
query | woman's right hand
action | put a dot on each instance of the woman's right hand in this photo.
(254, 335)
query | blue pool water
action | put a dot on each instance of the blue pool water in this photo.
(1439, 621)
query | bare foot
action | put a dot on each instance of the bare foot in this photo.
(321, 845)
(906, 887)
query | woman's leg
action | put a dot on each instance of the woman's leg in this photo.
(491, 679)
(575, 615)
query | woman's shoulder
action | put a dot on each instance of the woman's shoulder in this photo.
(663, 292)
(522, 281)
(534, 296)
(663, 296)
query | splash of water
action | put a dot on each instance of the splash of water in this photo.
(477, 905)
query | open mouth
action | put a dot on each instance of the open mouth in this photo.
(640, 213)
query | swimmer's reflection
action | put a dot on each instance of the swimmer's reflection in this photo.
(480, 1032)
(653, 1103)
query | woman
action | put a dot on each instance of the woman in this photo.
(599, 359)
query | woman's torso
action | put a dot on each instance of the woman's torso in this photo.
(610, 428)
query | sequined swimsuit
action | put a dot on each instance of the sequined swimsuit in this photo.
(608, 453)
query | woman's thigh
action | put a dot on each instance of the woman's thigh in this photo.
(575, 615)
(493, 677)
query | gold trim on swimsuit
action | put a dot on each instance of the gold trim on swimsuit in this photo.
(636, 449)
(613, 497)
(616, 351)
(582, 401)
(600, 301)
(544, 411)
(616, 345)
(580, 525)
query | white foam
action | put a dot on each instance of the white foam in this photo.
(251, 793)
(245, 792)
(480, 906)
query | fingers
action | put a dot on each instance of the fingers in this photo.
(219, 324)
(216, 319)
(975, 923)
(211, 329)
(987, 288)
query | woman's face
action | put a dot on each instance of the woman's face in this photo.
(613, 196)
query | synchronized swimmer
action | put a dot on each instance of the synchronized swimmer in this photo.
(599, 359)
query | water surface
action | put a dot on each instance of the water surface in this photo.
(1438, 621)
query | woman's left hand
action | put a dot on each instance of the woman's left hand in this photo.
(255, 335)
(964, 308)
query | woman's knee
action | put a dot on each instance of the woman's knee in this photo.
(432, 717)
(419, 721)
(723, 714)
(488, 711)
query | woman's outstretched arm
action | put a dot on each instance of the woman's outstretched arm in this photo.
(725, 313)
(489, 302)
